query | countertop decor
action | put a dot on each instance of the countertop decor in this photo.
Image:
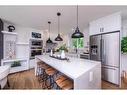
(59, 58)
(16, 63)
(63, 47)
(11, 28)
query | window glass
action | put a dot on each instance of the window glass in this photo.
(78, 42)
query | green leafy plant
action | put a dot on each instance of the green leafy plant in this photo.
(16, 63)
(63, 47)
(124, 45)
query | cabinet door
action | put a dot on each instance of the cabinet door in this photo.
(106, 24)
(96, 27)
(112, 23)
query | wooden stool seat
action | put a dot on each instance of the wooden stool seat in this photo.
(64, 83)
(39, 63)
(44, 66)
(61, 79)
(50, 76)
(68, 86)
(50, 71)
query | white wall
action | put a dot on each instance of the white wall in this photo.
(124, 56)
(53, 35)
(86, 38)
(24, 34)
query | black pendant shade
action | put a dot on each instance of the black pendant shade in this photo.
(49, 40)
(58, 38)
(77, 33)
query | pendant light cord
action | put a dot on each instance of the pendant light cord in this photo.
(77, 15)
(49, 30)
(49, 27)
(58, 25)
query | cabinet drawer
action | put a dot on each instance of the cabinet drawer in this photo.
(110, 74)
(84, 56)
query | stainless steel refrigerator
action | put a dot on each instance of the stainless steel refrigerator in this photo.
(106, 48)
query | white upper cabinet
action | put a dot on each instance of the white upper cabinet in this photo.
(106, 24)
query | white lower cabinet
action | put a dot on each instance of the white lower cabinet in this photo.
(32, 63)
(24, 64)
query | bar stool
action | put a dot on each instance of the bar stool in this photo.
(51, 72)
(39, 68)
(42, 76)
(64, 83)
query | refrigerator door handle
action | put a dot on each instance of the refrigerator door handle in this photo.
(102, 50)
(109, 68)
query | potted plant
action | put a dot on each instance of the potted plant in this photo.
(16, 63)
(63, 47)
(124, 45)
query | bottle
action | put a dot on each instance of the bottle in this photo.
(62, 54)
(51, 53)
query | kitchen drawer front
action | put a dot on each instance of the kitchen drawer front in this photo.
(84, 56)
(110, 74)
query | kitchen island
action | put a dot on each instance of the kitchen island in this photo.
(86, 74)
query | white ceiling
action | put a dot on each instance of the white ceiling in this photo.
(38, 16)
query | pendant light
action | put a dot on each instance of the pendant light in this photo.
(77, 33)
(58, 38)
(49, 40)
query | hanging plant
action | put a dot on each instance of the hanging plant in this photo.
(124, 45)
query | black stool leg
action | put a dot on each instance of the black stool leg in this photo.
(44, 78)
(51, 81)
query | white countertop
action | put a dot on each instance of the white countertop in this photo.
(73, 69)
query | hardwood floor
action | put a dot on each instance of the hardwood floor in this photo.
(23, 80)
(107, 85)
(27, 80)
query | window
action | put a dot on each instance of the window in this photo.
(78, 42)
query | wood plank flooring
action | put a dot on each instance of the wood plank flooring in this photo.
(27, 80)
(107, 85)
(23, 80)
